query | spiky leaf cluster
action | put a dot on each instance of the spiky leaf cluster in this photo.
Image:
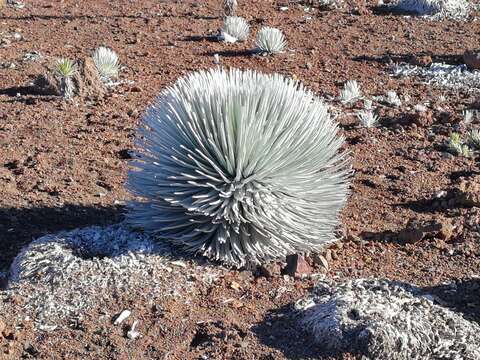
(350, 92)
(367, 118)
(235, 28)
(270, 41)
(474, 139)
(456, 145)
(239, 166)
(65, 67)
(107, 63)
(230, 7)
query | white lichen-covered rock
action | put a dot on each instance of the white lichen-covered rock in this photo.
(387, 320)
(454, 9)
(442, 75)
(66, 274)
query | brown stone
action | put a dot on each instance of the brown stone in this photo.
(417, 230)
(422, 60)
(87, 80)
(471, 58)
(296, 266)
(469, 192)
(269, 270)
(422, 119)
(46, 84)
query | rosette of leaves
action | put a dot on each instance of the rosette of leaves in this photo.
(239, 166)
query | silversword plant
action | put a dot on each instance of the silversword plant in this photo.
(367, 118)
(270, 41)
(65, 69)
(107, 63)
(239, 166)
(235, 29)
(230, 7)
(456, 146)
(473, 139)
(393, 99)
(350, 92)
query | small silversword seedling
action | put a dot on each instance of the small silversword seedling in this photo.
(367, 118)
(270, 41)
(456, 146)
(65, 69)
(474, 139)
(235, 29)
(230, 7)
(393, 99)
(350, 92)
(107, 63)
(239, 166)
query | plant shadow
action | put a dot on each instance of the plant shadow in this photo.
(232, 53)
(280, 330)
(19, 226)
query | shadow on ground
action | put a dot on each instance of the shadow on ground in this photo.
(280, 330)
(18, 227)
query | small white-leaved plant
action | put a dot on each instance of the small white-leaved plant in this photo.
(473, 139)
(65, 69)
(107, 63)
(234, 29)
(367, 118)
(230, 7)
(350, 92)
(470, 115)
(456, 146)
(393, 99)
(270, 41)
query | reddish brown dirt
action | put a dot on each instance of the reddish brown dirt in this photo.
(63, 164)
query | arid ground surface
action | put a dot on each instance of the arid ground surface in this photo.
(63, 164)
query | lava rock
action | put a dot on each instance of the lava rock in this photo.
(383, 319)
(269, 270)
(422, 60)
(472, 59)
(416, 230)
(87, 81)
(296, 266)
(468, 192)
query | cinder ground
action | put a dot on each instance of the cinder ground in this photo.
(63, 164)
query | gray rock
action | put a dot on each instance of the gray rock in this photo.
(387, 320)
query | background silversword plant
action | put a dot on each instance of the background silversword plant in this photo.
(350, 92)
(270, 41)
(367, 118)
(230, 7)
(106, 62)
(239, 166)
(235, 27)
